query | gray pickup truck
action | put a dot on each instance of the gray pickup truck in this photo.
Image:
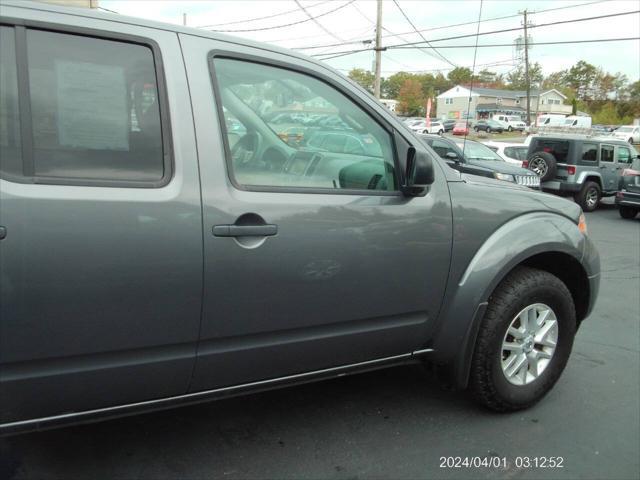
(163, 242)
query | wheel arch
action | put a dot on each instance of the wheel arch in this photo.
(590, 177)
(558, 248)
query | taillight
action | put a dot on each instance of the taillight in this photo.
(628, 172)
(571, 170)
(525, 164)
(547, 149)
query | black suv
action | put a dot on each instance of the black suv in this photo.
(588, 168)
(628, 197)
(478, 159)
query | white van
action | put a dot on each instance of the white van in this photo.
(578, 122)
(510, 122)
(550, 120)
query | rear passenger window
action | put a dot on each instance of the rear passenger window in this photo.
(10, 142)
(559, 149)
(589, 152)
(95, 109)
(606, 153)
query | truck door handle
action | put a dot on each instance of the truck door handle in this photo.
(3, 232)
(244, 230)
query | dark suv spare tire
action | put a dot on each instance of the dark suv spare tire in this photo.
(544, 164)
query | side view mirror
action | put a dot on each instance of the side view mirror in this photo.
(419, 173)
(452, 156)
(416, 167)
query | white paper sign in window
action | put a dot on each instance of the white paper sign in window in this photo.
(92, 106)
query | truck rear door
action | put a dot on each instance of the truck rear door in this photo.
(101, 260)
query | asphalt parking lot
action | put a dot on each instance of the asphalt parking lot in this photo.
(396, 423)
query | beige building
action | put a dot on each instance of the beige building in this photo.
(461, 102)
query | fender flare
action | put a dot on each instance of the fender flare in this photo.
(466, 298)
(589, 173)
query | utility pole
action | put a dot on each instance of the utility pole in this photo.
(376, 84)
(184, 19)
(526, 68)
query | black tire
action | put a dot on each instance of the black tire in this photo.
(628, 212)
(544, 164)
(475, 129)
(522, 287)
(510, 129)
(441, 132)
(631, 141)
(585, 198)
(488, 129)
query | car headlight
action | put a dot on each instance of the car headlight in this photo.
(504, 176)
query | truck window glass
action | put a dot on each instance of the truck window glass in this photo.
(299, 132)
(606, 153)
(624, 155)
(10, 141)
(94, 105)
(559, 149)
(589, 152)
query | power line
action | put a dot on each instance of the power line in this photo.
(507, 63)
(322, 27)
(564, 42)
(419, 33)
(290, 39)
(444, 27)
(386, 30)
(558, 22)
(285, 25)
(493, 32)
(108, 10)
(260, 18)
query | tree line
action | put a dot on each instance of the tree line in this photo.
(611, 99)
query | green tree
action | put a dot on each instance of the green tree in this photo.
(411, 99)
(365, 78)
(460, 75)
(582, 78)
(394, 83)
(608, 115)
(427, 81)
(517, 79)
(441, 84)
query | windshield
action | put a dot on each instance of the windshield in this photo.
(477, 151)
(514, 119)
(625, 129)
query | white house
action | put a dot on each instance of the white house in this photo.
(464, 102)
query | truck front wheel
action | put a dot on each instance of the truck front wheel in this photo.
(524, 341)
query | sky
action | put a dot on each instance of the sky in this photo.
(352, 22)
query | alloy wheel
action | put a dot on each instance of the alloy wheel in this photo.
(529, 344)
(591, 197)
(538, 166)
